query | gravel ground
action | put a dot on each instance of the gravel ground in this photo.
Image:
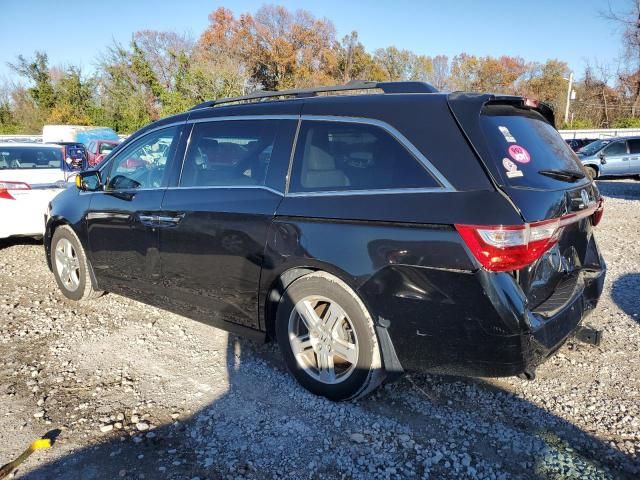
(134, 392)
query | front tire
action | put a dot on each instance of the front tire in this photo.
(327, 338)
(591, 172)
(71, 267)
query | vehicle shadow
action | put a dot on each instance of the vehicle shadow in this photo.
(266, 426)
(624, 292)
(625, 189)
(13, 241)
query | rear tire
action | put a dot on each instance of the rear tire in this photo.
(71, 267)
(328, 339)
(591, 172)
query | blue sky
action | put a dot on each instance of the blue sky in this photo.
(76, 32)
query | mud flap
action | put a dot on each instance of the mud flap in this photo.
(390, 363)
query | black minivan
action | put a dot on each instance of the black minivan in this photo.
(369, 228)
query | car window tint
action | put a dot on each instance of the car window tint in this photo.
(142, 164)
(232, 153)
(616, 148)
(334, 156)
(25, 158)
(634, 146)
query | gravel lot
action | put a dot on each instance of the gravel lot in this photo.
(140, 393)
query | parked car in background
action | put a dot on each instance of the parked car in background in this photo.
(367, 234)
(31, 175)
(577, 143)
(74, 155)
(98, 149)
(612, 157)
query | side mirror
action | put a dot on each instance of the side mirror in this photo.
(602, 159)
(89, 181)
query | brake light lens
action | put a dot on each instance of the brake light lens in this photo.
(6, 187)
(597, 215)
(502, 248)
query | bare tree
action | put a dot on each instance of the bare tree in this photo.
(629, 23)
(440, 73)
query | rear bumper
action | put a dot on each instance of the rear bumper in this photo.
(473, 324)
(23, 217)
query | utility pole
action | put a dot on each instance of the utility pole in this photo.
(566, 108)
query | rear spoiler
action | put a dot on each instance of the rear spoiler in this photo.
(476, 101)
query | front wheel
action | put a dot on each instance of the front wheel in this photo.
(70, 266)
(327, 338)
(591, 172)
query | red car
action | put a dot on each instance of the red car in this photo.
(98, 149)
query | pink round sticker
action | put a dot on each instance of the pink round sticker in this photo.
(519, 154)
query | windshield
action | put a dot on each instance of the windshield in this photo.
(30, 157)
(530, 153)
(594, 147)
(106, 147)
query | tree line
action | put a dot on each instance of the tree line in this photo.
(162, 73)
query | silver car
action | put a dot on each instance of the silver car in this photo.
(612, 157)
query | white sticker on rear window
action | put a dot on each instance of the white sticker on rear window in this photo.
(511, 169)
(507, 134)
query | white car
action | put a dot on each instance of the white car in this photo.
(31, 175)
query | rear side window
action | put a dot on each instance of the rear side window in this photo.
(229, 153)
(30, 158)
(634, 146)
(616, 148)
(335, 156)
(523, 144)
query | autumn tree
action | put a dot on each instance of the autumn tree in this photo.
(354, 62)
(160, 73)
(280, 49)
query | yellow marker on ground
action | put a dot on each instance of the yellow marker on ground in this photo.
(40, 444)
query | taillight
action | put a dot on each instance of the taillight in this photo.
(501, 248)
(6, 187)
(597, 215)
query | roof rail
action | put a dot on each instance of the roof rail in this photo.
(386, 87)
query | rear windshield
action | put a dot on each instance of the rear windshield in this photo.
(529, 152)
(594, 147)
(106, 147)
(29, 158)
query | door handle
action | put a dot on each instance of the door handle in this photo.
(169, 220)
(633, 158)
(148, 220)
(176, 219)
(625, 159)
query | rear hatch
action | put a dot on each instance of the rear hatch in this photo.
(530, 163)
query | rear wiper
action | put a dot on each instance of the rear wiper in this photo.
(565, 175)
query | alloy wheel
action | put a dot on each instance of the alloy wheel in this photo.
(323, 339)
(67, 265)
